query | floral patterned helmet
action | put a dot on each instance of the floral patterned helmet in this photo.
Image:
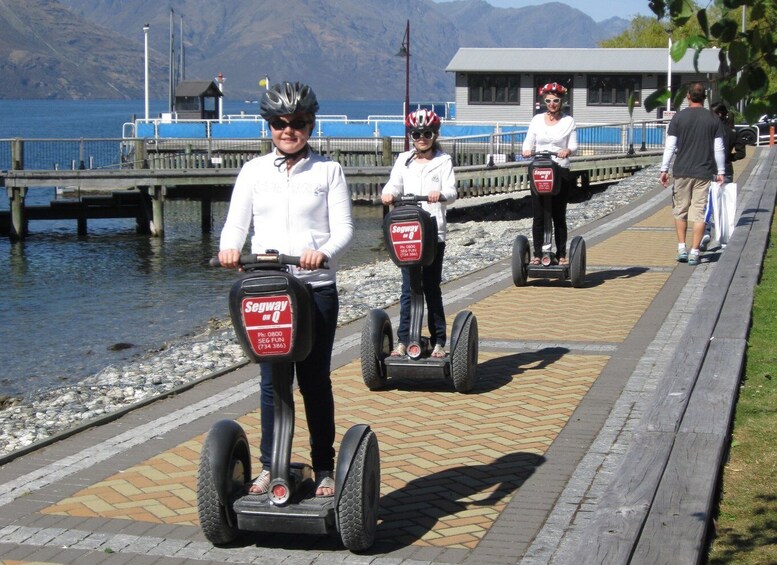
(553, 88)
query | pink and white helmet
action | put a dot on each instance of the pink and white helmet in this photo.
(422, 119)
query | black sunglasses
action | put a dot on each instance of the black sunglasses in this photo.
(297, 123)
(427, 134)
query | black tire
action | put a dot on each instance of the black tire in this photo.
(747, 136)
(357, 512)
(217, 520)
(520, 260)
(577, 262)
(464, 357)
(377, 343)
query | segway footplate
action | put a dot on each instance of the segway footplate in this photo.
(560, 272)
(406, 367)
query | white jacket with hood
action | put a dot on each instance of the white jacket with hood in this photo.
(410, 177)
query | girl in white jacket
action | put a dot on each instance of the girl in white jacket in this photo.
(424, 171)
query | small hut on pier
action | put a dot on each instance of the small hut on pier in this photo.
(197, 100)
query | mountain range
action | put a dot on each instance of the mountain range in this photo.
(346, 49)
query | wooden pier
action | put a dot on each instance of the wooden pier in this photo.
(140, 192)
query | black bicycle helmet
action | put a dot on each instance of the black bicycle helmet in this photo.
(288, 98)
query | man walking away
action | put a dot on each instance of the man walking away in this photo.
(698, 138)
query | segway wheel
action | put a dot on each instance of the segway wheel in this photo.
(376, 344)
(577, 262)
(357, 511)
(464, 357)
(520, 260)
(225, 467)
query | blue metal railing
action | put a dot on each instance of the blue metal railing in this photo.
(59, 154)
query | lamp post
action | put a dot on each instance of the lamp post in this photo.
(669, 72)
(220, 81)
(404, 51)
(145, 37)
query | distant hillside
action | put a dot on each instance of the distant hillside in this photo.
(345, 48)
(48, 52)
(548, 25)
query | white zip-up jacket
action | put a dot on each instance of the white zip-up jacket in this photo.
(561, 135)
(412, 178)
(309, 208)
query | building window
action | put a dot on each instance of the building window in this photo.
(494, 89)
(608, 90)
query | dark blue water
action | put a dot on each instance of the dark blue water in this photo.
(67, 299)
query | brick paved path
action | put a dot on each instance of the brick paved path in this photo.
(465, 477)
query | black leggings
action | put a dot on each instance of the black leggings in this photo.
(559, 214)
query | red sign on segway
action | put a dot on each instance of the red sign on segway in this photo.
(543, 179)
(406, 241)
(267, 321)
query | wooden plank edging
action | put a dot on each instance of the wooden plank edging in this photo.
(658, 508)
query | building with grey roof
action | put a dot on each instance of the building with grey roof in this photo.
(500, 84)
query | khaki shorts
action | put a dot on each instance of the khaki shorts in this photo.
(689, 199)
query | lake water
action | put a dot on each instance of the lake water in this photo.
(67, 299)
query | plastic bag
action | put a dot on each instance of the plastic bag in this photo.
(724, 209)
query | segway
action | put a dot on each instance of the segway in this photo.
(545, 181)
(272, 313)
(411, 237)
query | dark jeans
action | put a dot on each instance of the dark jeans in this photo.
(432, 277)
(313, 377)
(559, 214)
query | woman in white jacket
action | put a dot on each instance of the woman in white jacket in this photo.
(555, 131)
(299, 204)
(424, 171)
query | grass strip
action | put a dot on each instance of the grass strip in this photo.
(746, 527)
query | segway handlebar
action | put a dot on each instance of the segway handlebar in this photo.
(544, 154)
(265, 259)
(411, 198)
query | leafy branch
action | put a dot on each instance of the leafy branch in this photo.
(747, 58)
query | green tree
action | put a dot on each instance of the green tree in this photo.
(646, 31)
(747, 58)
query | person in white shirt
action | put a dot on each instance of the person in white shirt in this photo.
(425, 170)
(299, 204)
(555, 131)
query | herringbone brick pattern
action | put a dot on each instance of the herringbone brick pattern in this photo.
(638, 248)
(450, 462)
(604, 309)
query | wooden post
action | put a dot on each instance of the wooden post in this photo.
(206, 214)
(387, 153)
(141, 156)
(18, 226)
(158, 211)
(17, 194)
(81, 220)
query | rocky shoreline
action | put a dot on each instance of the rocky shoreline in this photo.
(477, 237)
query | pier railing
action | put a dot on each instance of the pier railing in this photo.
(198, 153)
(160, 169)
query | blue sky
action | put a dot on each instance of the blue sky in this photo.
(598, 9)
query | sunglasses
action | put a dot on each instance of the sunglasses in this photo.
(297, 123)
(418, 134)
(552, 100)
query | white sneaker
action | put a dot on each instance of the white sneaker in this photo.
(705, 241)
